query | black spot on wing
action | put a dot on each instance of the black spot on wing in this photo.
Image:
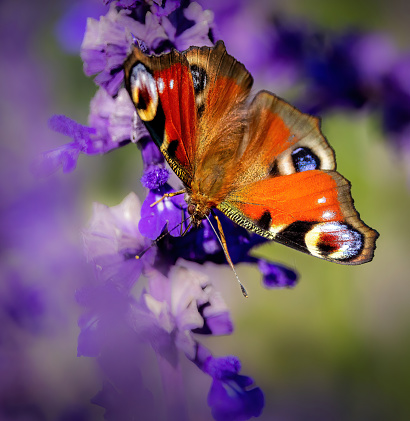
(156, 126)
(294, 235)
(199, 78)
(264, 221)
(304, 159)
(274, 170)
(172, 148)
(327, 248)
(143, 99)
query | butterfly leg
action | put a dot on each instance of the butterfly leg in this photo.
(175, 193)
(182, 223)
(186, 229)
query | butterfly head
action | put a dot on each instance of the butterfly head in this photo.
(198, 210)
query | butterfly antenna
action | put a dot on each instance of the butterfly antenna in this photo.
(222, 241)
(138, 256)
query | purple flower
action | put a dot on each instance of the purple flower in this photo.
(198, 23)
(124, 4)
(177, 305)
(112, 240)
(107, 43)
(65, 156)
(22, 303)
(232, 396)
(70, 28)
(154, 177)
(277, 276)
(169, 213)
(396, 100)
(112, 125)
(151, 155)
(173, 308)
(201, 245)
(374, 55)
(113, 119)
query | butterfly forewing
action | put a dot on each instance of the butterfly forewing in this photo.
(222, 86)
(158, 86)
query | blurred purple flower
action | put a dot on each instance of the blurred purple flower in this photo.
(111, 123)
(277, 276)
(232, 396)
(186, 302)
(112, 240)
(179, 304)
(396, 103)
(24, 304)
(65, 156)
(71, 26)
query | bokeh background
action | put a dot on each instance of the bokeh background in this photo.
(335, 347)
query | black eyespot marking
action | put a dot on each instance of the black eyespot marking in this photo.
(264, 221)
(144, 93)
(274, 171)
(327, 247)
(336, 240)
(143, 99)
(198, 78)
(172, 148)
(304, 160)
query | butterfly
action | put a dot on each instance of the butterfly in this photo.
(264, 164)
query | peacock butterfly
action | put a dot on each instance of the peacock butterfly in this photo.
(265, 165)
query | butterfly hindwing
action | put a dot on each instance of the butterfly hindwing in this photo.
(287, 190)
(311, 211)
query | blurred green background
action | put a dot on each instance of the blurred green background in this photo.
(337, 346)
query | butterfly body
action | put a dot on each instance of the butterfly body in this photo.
(265, 165)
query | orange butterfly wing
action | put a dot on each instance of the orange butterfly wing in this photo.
(286, 189)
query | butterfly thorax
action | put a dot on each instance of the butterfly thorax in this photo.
(209, 187)
(199, 207)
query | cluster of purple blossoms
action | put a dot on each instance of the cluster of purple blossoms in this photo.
(170, 312)
(178, 302)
